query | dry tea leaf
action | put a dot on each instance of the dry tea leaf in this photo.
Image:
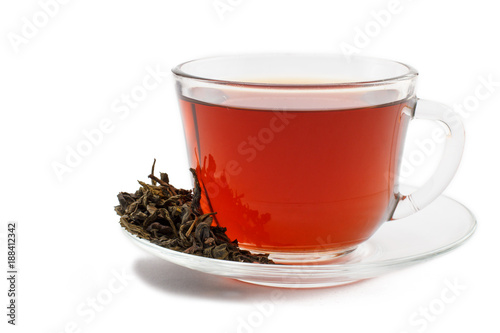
(172, 218)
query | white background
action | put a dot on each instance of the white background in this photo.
(64, 79)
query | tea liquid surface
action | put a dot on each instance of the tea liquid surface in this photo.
(296, 180)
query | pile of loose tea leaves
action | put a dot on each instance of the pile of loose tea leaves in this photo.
(172, 218)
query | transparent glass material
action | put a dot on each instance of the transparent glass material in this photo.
(442, 226)
(299, 155)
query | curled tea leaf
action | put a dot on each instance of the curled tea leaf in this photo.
(172, 218)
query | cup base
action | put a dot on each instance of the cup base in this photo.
(307, 257)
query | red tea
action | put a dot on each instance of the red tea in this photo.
(296, 180)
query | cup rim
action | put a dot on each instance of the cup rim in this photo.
(410, 73)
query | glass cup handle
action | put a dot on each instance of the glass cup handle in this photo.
(450, 159)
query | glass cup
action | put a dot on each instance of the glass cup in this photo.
(299, 154)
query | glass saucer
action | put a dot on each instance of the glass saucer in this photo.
(442, 226)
